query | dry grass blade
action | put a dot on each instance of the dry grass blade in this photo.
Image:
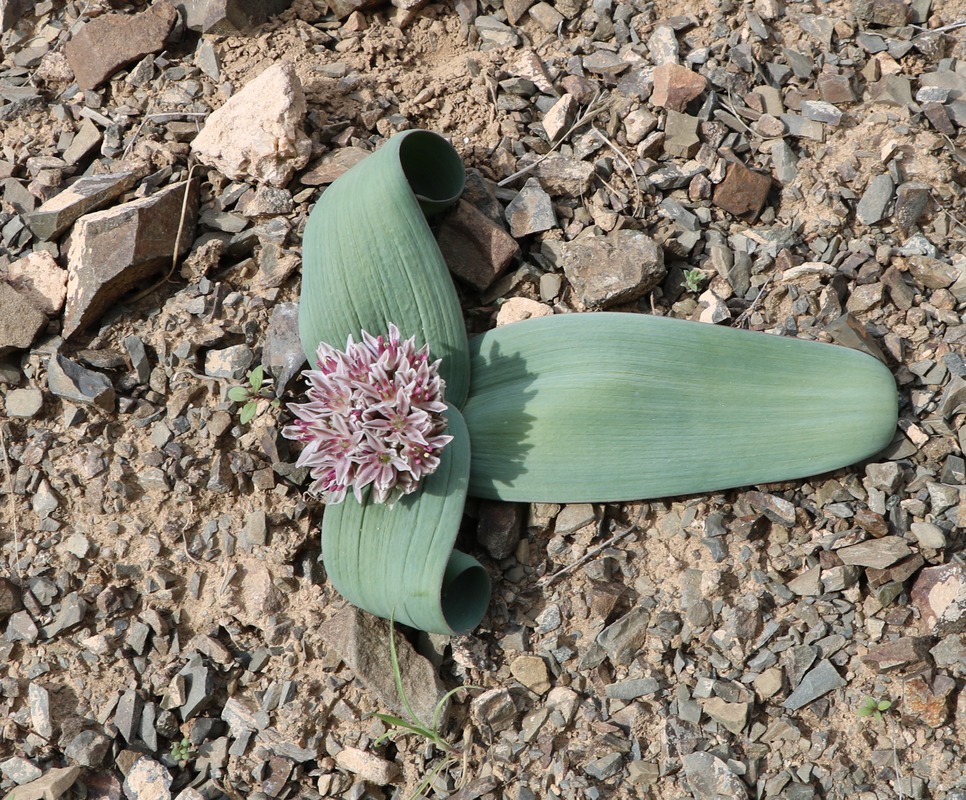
(10, 502)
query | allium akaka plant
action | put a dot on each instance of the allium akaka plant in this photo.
(571, 408)
(374, 418)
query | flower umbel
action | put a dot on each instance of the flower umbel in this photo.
(374, 417)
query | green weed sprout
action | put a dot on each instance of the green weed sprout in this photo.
(182, 751)
(693, 278)
(399, 726)
(871, 707)
(258, 388)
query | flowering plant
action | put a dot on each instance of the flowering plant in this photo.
(570, 408)
(374, 417)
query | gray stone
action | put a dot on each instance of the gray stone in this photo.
(928, 535)
(70, 614)
(494, 33)
(531, 211)
(127, 715)
(494, 710)
(200, 684)
(255, 532)
(102, 46)
(139, 358)
(709, 777)
(681, 134)
(88, 748)
(258, 133)
(230, 362)
(632, 688)
(932, 273)
(113, 251)
(876, 553)
(78, 384)
(821, 680)
(86, 140)
(40, 279)
(21, 628)
(20, 770)
(363, 643)
(623, 639)
(282, 354)
(607, 270)
(605, 767)
(23, 403)
(20, 320)
(44, 501)
(820, 111)
(776, 508)
(731, 716)
(39, 701)
(85, 195)
(663, 45)
(51, 786)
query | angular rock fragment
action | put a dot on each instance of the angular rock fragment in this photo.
(560, 116)
(607, 270)
(681, 135)
(52, 785)
(40, 279)
(20, 320)
(227, 17)
(709, 776)
(475, 249)
(875, 200)
(363, 643)
(282, 354)
(499, 528)
(907, 652)
(743, 192)
(84, 195)
(113, 251)
(876, 553)
(104, 45)
(940, 595)
(676, 86)
(822, 679)
(10, 598)
(148, 779)
(912, 198)
(367, 766)
(71, 381)
(531, 211)
(517, 309)
(925, 704)
(257, 134)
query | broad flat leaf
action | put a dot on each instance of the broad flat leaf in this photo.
(369, 257)
(400, 561)
(607, 407)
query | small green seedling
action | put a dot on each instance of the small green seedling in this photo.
(258, 388)
(871, 707)
(401, 727)
(183, 751)
(693, 278)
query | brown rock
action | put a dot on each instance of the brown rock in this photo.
(112, 251)
(476, 249)
(40, 279)
(925, 704)
(81, 197)
(907, 652)
(499, 527)
(743, 192)
(940, 595)
(676, 86)
(877, 553)
(20, 320)
(515, 9)
(104, 45)
(332, 165)
(363, 643)
(897, 573)
(10, 598)
(607, 270)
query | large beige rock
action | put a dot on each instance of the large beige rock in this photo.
(20, 320)
(41, 279)
(258, 133)
(116, 250)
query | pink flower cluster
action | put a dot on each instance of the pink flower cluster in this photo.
(374, 417)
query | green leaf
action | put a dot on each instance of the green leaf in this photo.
(607, 407)
(369, 257)
(248, 412)
(256, 377)
(884, 705)
(240, 394)
(400, 561)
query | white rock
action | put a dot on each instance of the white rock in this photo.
(40, 279)
(258, 134)
(517, 309)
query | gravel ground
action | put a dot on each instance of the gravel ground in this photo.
(166, 628)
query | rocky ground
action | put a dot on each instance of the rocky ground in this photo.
(166, 629)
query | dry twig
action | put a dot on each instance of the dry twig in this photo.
(12, 508)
